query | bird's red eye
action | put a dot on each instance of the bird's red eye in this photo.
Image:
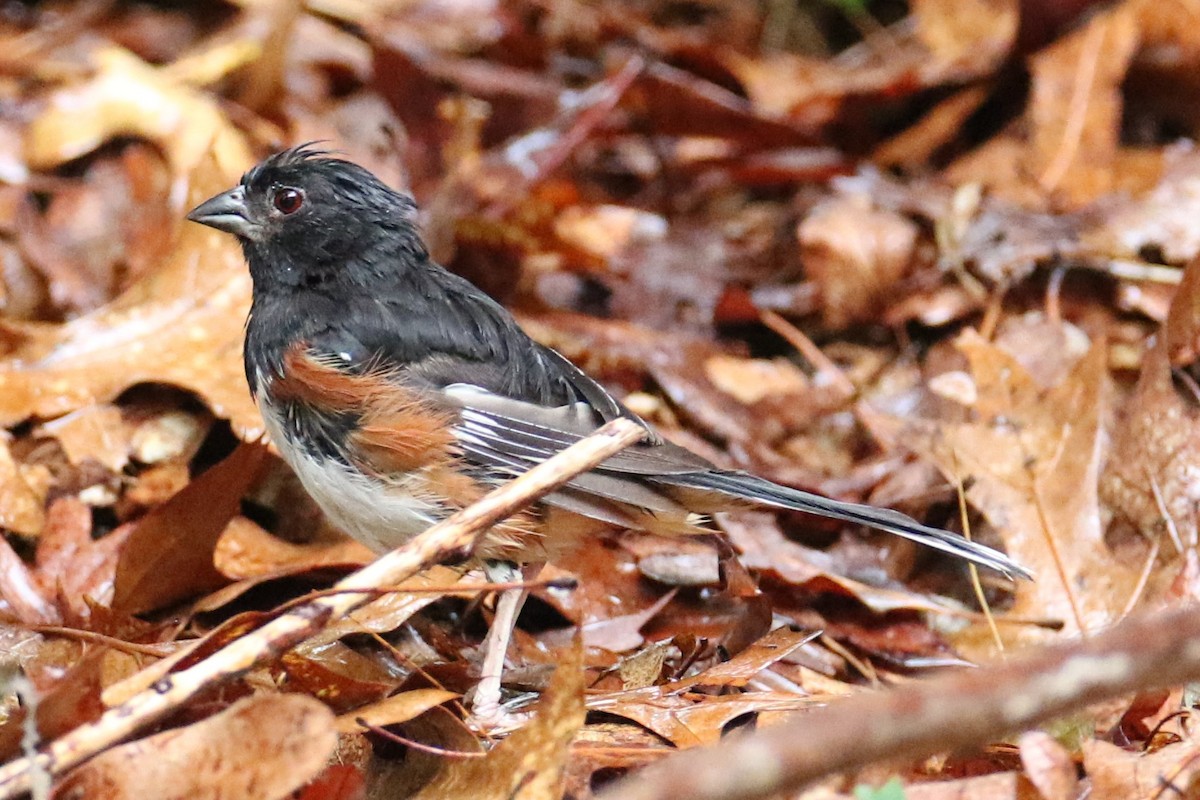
(288, 201)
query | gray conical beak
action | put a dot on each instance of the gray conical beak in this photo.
(226, 212)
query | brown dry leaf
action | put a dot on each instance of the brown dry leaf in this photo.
(129, 98)
(395, 608)
(260, 748)
(675, 561)
(72, 567)
(739, 670)
(1000, 786)
(71, 570)
(1182, 331)
(392, 710)
(169, 555)
(19, 591)
(763, 547)
(170, 435)
(1076, 105)
(943, 123)
(682, 717)
(98, 234)
(950, 42)
(529, 764)
(608, 585)
(1033, 459)
(622, 633)
(966, 36)
(336, 782)
(1048, 766)
(691, 720)
(1117, 774)
(1148, 480)
(1046, 348)
(73, 698)
(95, 432)
(182, 323)
(246, 551)
(604, 231)
(856, 254)
(749, 380)
(607, 748)
(21, 505)
(997, 786)
(1161, 219)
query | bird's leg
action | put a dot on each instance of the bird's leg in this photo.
(486, 705)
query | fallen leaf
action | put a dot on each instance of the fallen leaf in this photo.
(169, 555)
(337, 675)
(245, 551)
(749, 380)
(182, 323)
(128, 97)
(1048, 766)
(260, 748)
(1033, 461)
(1117, 774)
(622, 633)
(392, 710)
(20, 592)
(944, 41)
(21, 505)
(1148, 480)
(337, 782)
(74, 568)
(95, 432)
(999, 786)
(855, 254)
(1076, 105)
(529, 764)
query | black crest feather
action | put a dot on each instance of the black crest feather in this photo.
(307, 152)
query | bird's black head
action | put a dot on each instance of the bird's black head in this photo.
(305, 218)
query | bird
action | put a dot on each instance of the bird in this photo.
(399, 392)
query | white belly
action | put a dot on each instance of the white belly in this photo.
(379, 518)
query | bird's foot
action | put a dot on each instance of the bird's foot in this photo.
(490, 716)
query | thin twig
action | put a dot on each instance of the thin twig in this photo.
(133, 648)
(808, 348)
(966, 709)
(414, 744)
(450, 538)
(975, 582)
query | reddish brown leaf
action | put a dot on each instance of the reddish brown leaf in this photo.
(529, 764)
(169, 555)
(261, 748)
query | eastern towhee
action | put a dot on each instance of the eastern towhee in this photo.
(399, 392)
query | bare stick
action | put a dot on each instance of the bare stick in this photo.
(964, 710)
(452, 537)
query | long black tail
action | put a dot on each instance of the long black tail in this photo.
(750, 487)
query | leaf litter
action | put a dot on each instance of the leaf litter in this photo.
(645, 185)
